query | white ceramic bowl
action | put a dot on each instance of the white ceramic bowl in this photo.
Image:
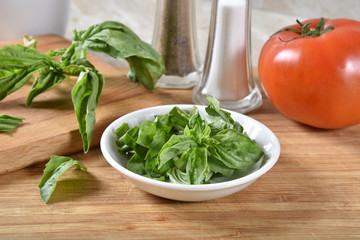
(263, 136)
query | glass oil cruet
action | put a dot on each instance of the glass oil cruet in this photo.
(175, 38)
(227, 72)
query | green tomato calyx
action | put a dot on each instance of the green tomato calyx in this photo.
(306, 31)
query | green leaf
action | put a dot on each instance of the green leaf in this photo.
(164, 123)
(235, 150)
(177, 176)
(197, 166)
(85, 96)
(144, 72)
(120, 131)
(136, 164)
(45, 81)
(17, 66)
(18, 56)
(18, 78)
(146, 133)
(131, 137)
(218, 167)
(179, 117)
(56, 166)
(152, 159)
(129, 140)
(181, 162)
(176, 145)
(9, 122)
(195, 119)
(219, 119)
(118, 41)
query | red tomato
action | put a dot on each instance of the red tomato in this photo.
(315, 80)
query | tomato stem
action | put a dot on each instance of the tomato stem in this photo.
(306, 31)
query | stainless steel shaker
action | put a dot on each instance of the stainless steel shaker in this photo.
(228, 69)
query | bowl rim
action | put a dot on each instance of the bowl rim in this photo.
(200, 187)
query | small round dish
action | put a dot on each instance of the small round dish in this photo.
(263, 136)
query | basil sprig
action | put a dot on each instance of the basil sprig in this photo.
(9, 122)
(18, 64)
(183, 148)
(117, 40)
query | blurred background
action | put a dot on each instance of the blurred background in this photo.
(268, 16)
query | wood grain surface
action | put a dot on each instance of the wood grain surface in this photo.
(311, 193)
(50, 126)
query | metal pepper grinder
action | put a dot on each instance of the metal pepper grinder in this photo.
(227, 72)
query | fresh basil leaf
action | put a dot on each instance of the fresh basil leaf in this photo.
(209, 176)
(85, 96)
(177, 176)
(164, 123)
(17, 57)
(219, 119)
(152, 166)
(123, 147)
(56, 166)
(180, 163)
(152, 156)
(146, 133)
(144, 72)
(218, 167)
(120, 131)
(175, 146)
(45, 81)
(214, 109)
(17, 66)
(131, 137)
(235, 149)
(136, 164)
(9, 122)
(180, 118)
(117, 40)
(197, 166)
(12, 82)
(195, 119)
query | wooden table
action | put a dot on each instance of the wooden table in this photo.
(313, 192)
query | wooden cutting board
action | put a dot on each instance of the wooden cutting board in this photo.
(50, 126)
